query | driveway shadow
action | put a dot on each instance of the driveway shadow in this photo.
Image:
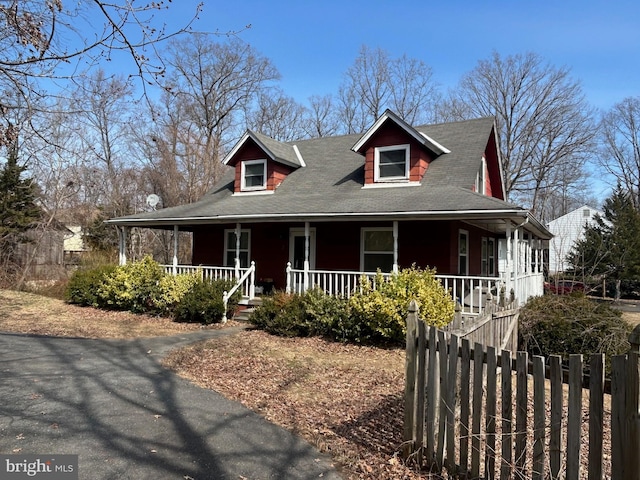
(114, 405)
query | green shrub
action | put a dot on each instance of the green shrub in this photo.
(203, 303)
(132, 286)
(567, 324)
(370, 315)
(84, 285)
(328, 316)
(170, 291)
(383, 310)
(282, 314)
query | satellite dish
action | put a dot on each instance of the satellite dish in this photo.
(153, 200)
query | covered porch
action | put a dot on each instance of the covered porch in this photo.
(477, 259)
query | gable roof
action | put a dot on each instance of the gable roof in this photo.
(330, 187)
(277, 151)
(421, 137)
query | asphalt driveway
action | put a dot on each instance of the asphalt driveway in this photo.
(112, 403)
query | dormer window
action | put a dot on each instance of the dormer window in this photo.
(392, 163)
(254, 175)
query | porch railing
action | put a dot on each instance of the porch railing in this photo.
(470, 292)
(243, 276)
(333, 282)
(248, 276)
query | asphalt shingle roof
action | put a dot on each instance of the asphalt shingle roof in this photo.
(331, 183)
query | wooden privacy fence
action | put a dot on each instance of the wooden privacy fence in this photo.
(460, 404)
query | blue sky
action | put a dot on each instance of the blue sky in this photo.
(313, 43)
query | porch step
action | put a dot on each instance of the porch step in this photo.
(245, 308)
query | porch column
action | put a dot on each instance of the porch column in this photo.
(509, 260)
(236, 262)
(529, 250)
(122, 245)
(395, 246)
(175, 249)
(307, 236)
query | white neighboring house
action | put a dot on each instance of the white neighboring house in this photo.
(567, 229)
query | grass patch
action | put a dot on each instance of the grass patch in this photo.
(22, 312)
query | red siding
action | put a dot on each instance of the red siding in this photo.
(390, 134)
(423, 243)
(494, 182)
(276, 172)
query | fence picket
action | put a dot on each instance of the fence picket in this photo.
(442, 406)
(522, 408)
(574, 417)
(432, 391)
(618, 430)
(596, 408)
(555, 431)
(507, 416)
(539, 417)
(451, 404)
(476, 409)
(420, 386)
(632, 416)
(410, 384)
(490, 451)
(465, 402)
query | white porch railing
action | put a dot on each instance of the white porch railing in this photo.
(334, 282)
(244, 277)
(470, 292)
(248, 276)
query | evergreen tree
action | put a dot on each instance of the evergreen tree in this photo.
(18, 210)
(611, 246)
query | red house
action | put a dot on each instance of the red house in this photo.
(324, 211)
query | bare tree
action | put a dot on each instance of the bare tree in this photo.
(278, 116)
(544, 122)
(209, 89)
(101, 106)
(376, 82)
(58, 40)
(620, 151)
(321, 117)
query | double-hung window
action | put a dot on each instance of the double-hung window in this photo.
(377, 249)
(254, 175)
(488, 256)
(391, 163)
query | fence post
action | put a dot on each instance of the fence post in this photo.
(410, 380)
(632, 400)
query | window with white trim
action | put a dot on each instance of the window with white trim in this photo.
(377, 249)
(463, 252)
(488, 256)
(254, 175)
(230, 248)
(391, 163)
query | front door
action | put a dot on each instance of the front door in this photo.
(297, 248)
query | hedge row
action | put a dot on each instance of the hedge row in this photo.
(370, 315)
(143, 287)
